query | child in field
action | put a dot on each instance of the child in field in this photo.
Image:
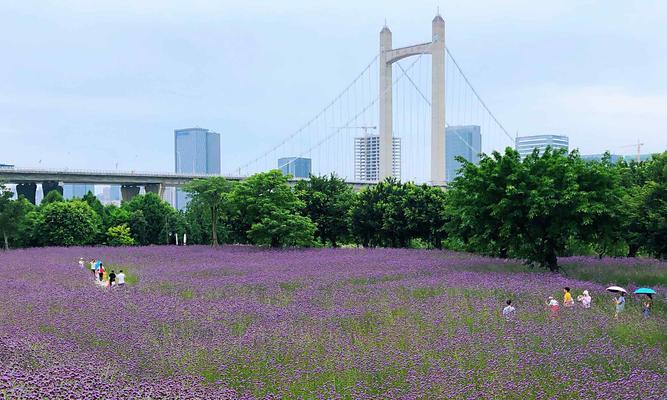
(93, 268)
(112, 278)
(620, 304)
(553, 306)
(646, 306)
(82, 263)
(585, 299)
(567, 297)
(508, 311)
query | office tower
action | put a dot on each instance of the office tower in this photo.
(298, 167)
(77, 190)
(464, 141)
(367, 158)
(525, 144)
(196, 151)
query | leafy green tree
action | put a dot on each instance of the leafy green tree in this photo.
(138, 227)
(366, 218)
(212, 193)
(29, 234)
(425, 209)
(259, 202)
(69, 224)
(11, 213)
(119, 236)
(328, 201)
(282, 228)
(531, 208)
(155, 212)
(176, 224)
(53, 196)
(653, 208)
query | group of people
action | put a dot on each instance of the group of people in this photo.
(101, 275)
(585, 299)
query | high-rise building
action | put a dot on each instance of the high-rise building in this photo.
(110, 194)
(196, 151)
(367, 158)
(298, 167)
(77, 190)
(464, 141)
(525, 144)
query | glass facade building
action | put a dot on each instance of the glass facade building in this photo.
(367, 158)
(298, 167)
(77, 190)
(525, 144)
(464, 141)
(196, 151)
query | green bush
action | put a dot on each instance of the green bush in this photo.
(119, 235)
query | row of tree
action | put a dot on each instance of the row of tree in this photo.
(546, 205)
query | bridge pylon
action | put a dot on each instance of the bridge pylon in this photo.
(388, 56)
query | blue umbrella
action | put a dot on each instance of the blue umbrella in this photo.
(644, 290)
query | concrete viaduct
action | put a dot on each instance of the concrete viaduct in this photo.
(26, 180)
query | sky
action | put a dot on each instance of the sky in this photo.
(103, 84)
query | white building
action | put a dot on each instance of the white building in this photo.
(367, 158)
(525, 144)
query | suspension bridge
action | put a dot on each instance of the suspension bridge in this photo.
(407, 114)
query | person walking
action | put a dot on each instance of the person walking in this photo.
(585, 299)
(620, 304)
(112, 278)
(121, 278)
(647, 305)
(101, 272)
(567, 297)
(82, 264)
(93, 266)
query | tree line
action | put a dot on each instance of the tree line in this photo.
(546, 205)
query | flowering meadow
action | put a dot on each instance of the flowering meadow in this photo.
(242, 322)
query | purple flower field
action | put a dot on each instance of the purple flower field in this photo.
(241, 322)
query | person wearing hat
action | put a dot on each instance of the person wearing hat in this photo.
(620, 304)
(585, 299)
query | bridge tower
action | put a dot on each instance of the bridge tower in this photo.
(388, 56)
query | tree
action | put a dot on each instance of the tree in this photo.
(328, 201)
(53, 196)
(155, 212)
(119, 236)
(11, 213)
(425, 213)
(654, 206)
(531, 208)
(69, 223)
(212, 193)
(260, 202)
(282, 228)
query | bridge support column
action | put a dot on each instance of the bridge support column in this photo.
(49, 186)
(27, 190)
(385, 121)
(127, 192)
(156, 188)
(438, 102)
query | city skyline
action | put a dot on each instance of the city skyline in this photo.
(96, 112)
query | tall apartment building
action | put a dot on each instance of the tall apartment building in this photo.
(525, 144)
(196, 151)
(298, 167)
(367, 158)
(464, 141)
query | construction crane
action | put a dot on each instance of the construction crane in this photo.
(639, 145)
(365, 128)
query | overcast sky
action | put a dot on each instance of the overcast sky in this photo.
(88, 84)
